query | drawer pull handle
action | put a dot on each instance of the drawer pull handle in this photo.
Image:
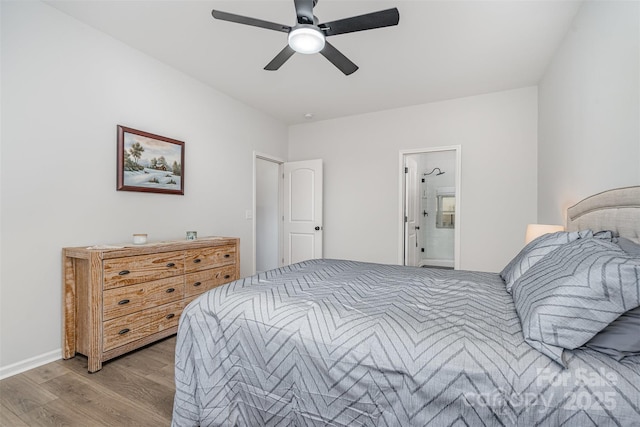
(226, 276)
(170, 290)
(124, 272)
(171, 264)
(227, 255)
(123, 302)
(197, 260)
(171, 316)
(197, 284)
(124, 331)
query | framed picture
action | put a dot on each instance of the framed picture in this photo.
(149, 163)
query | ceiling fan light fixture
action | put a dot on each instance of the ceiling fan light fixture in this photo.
(306, 40)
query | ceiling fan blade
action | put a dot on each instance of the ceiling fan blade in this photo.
(249, 21)
(304, 11)
(336, 57)
(280, 59)
(369, 21)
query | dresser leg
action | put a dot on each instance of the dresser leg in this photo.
(95, 326)
(95, 364)
(69, 308)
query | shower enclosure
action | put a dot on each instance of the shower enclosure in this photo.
(430, 208)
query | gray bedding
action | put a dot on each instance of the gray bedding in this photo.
(343, 343)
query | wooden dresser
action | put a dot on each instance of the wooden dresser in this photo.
(117, 299)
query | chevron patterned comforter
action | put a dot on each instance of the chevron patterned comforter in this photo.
(343, 343)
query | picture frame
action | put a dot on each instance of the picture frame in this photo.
(149, 163)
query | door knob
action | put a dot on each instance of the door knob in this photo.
(317, 228)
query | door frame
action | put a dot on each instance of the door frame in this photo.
(269, 158)
(401, 198)
(410, 216)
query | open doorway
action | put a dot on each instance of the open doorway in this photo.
(267, 212)
(430, 207)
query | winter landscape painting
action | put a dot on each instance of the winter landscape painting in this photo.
(149, 163)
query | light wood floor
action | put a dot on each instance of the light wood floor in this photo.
(133, 390)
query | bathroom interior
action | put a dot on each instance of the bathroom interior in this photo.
(436, 203)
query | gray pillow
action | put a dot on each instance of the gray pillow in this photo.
(629, 246)
(574, 292)
(535, 250)
(605, 234)
(621, 338)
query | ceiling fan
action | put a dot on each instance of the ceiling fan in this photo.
(308, 36)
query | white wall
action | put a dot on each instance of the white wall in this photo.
(498, 135)
(589, 109)
(65, 87)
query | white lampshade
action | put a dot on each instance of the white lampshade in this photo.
(306, 40)
(537, 230)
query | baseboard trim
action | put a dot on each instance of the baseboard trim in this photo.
(33, 362)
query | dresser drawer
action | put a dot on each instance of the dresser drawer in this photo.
(126, 329)
(141, 268)
(205, 258)
(129, 299)
(202, 281)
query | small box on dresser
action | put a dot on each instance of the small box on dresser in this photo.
(117, 299)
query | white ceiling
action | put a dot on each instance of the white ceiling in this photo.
(440, 49)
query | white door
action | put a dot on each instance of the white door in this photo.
(302, 211)
(411, 207)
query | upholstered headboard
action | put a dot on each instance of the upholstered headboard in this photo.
(617, 210)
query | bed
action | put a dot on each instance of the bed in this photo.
(344, 343)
